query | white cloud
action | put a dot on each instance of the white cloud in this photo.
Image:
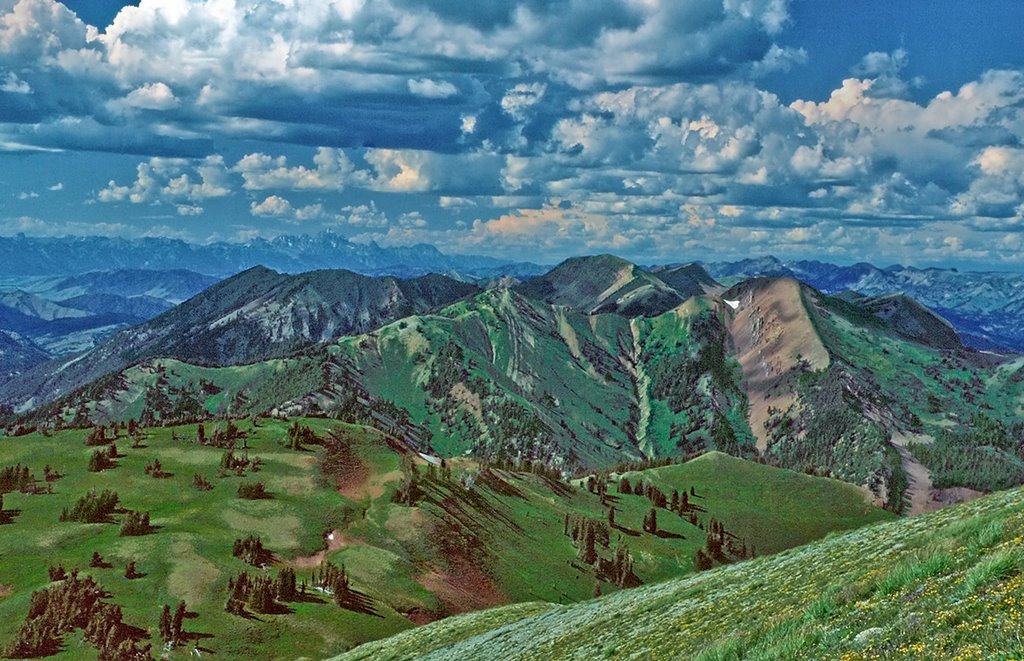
(518, 100)
(171, 180)
(274, 206)
(432, 89)
(156, 96)
(332, 170)
(14, 85)
(189, 210)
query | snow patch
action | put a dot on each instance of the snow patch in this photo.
(735, 305)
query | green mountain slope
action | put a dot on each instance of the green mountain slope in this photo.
(942, 586)
(468, 537)
(255, 315)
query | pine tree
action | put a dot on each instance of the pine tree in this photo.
(651, 521)
(165, 624)
(611, 517)
(624, 487)
(178, 623)
(589, 552)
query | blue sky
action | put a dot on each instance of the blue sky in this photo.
(661, 130)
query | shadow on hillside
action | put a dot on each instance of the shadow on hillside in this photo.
(626, 531)
(358, 602)
(665, 534)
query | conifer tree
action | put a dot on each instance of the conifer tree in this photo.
(651, 521)
(165, 624)
(178, 623)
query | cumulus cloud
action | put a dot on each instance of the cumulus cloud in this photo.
(332, 170)
(621, 124)
(171, 180)
(156, 96)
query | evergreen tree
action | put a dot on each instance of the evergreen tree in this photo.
(286, 585)
(588, 552)
(178, 623)
(651, 521)
(165, 624)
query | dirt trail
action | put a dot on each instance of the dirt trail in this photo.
(921, 492)
(919, 489)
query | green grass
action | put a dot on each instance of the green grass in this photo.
(507, 531)
(946, 585)
(791, 507)
(189, 556)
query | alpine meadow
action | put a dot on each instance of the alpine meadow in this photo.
(511, 330)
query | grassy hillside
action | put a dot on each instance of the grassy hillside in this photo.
(731, 484)
(942, 586)
(465, 538)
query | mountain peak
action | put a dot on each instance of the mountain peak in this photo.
(603, 283)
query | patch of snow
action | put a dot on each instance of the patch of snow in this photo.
(429, 458)
(735, 305)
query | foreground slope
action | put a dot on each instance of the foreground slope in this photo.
(467, 539)
(942, 586)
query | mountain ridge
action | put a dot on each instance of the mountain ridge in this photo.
(27, 256)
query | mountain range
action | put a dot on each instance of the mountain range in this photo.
(37, 256)
(986, 308)
(54, 316)
(594, 362)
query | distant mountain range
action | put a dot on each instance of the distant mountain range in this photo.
(986, 308)
(22, 256)
(51, 316)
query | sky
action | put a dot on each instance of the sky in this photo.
(659, 130)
